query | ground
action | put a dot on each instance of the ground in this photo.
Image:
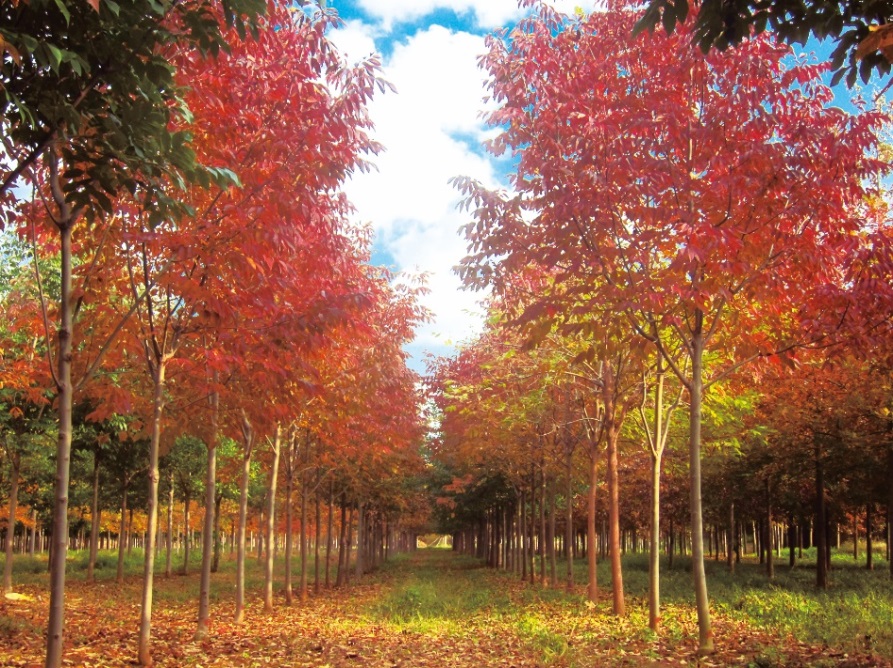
(431, 608)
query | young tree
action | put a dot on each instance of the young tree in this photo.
(676, 191)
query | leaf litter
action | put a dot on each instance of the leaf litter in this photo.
(345, 627)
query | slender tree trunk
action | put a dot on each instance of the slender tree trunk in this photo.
(271, 521)
(705, 632)
(303, 592)
(59, 552)
(361, 532)
(869, 557)
(654, 546)
(317, 533)
(329, 534)
(15, 460)
(218, 539)
(821, 535)
(170, 526)
(612, 432)
(342, 539)
(96, 516)
(289, 516)
(569, 518)
(122, 533)
(770, 561)
(248, 436)
(204, 598)
(144, 652)
(187, 502)
(550, 541)
(590, 523)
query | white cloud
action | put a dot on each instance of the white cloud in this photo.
(488, 13)
(431, 129)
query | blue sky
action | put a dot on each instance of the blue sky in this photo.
(432, 131)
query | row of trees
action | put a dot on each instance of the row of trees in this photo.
(676, 221)
(173, 185)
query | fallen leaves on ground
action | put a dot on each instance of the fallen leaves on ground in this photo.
(336, 630)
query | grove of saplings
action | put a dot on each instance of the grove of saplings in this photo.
(688, 345)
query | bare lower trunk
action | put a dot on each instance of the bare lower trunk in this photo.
(11, 523)
(289, 517)
(317, 534)
(204, 600)
(59, 551)
(329, 527)
(569, 519)
(590, 524)
(271, 522)
(96, 514)
(144, 654)
(303, 591)
(705, 632)
(248, 435)
(122, 533)
(654, 547)
(170, 526)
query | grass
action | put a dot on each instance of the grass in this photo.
(442, 599)
(855, 613)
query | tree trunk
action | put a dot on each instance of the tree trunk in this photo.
(289, 515)
(218, 539)
(770, 562)
(122, 532)
(361, 537)
(187, 501)
(303, 592)
(59, 552)
(248, 437)
(821, 534)
(271, 521)
(705, 633)
(869, 557)
(733, 539)
(329, 527)
(204, 599)
(612, 432)
(342, 539)
(15, 460)
(170, 526)
(591, 565)
(317, 533)
(96, 515)
(569, 518)
(144, 652)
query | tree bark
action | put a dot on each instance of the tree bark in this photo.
(770, 562)
(15, 461)
(705, 632)
(289, 515)
(248, 438)
(821, 534)
(59, 552)
(170, 526)
(303, 538)
(204, 599)
(95, 513)
(569, 517)
(271, 521)
(122, 533)
(591, 565)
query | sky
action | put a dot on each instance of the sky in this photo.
(432, 131)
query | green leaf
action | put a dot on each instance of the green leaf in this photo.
(60, 4)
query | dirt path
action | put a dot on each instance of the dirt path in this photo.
(431, 609)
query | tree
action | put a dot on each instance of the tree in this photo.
(860, 30)
(87, 108)
(675, 191)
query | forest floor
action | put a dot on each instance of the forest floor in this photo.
(431, 608)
